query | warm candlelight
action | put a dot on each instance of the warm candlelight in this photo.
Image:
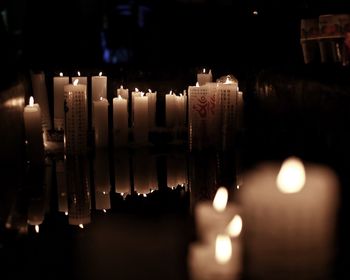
(58, 91)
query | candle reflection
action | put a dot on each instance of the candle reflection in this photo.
(102, 180)
(122, 172)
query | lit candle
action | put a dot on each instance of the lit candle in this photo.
(120, 121)
(36, 212)
(204, 77)
(58, 91)
(220, 260)
(33, 132)
(140, 130)
(101, 122)
(290, 215)
(170, 109)
(40, 95)
(135, 93)
(82, 80)
(123, 92)
(99, 87)
(152, 102)
(76, 120)
(213, 218)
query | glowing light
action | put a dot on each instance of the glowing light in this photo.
(237, 187)
(104, 211)
(79, 73)
(223, 249)
(14, 102)
(66, 213)
(81, 225)
(119, 97)
(197, 84)
(121, 87)
(100, 74)
(255, 12)
(234, 228)
(31, 101)
(101, 98)
(291, 178)
(203, 70)
(144, 195)
(76, 81)
(220, 199)
(37, 228)
(61, 74)
(149, 90)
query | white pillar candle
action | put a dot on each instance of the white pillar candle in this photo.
(41, 97)
(76, 120)
(100, 117)
(58, 91)
(33, 132)
(99, 87)
(122, 172)
(135, 93)
(120, 121)
(290, 216)
(204, 77)
(212, 218)
(180, 110)
(123, 92)
(152, 105)
(170, 109)
(219, 260)
(140, 130)
(82, 80)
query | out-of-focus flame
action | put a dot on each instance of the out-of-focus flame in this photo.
(76, 81)
(234, 228)
(223, 249)
(220, 199)
(291, 177)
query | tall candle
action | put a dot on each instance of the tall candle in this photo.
(140, 130)
(204, 77)
(170, 109)
(290, 215)
(135, 93)
(152, 102)
(58, 91)
(123, 92)
(41, 97)
(33, 132)
(99, 89)
(120, 121)
(101, 122)
(76, 121)
(82, 80)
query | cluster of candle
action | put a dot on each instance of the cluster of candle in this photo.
(217, 254)
(214, 109)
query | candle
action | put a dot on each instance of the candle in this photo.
(82, 80)
(291, 212)
(99, 89)
(58, 91)
(40, 95)
(170, 109)
(33, 132)
(140, 130)
(135, 93)
(101, 122)
(123, 92)
(220, 260)
(203, 77)
(36, 212)
(152, 102)
(214, 218)
(76, 119)
(120, 121)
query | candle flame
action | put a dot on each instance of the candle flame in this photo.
(61, 74)
(100, 74)
(104, 211)
(149, 90)
(81, 225)
(203, 70)
(120, 97)
(255, 13)
(220, 199)
(197, 84)
(228, 80)
(144, 195)
(31, 101)
(76, 81)
(66, 213)
(142, 94)
(101, 98)
(121, 87)
(291, 177)
(223, 249)
(136, 89)
(78, 73)
(234, 228)
(37, 228)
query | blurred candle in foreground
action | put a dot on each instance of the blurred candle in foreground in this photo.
(217, 261)
(33, 132)
(290, 215)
